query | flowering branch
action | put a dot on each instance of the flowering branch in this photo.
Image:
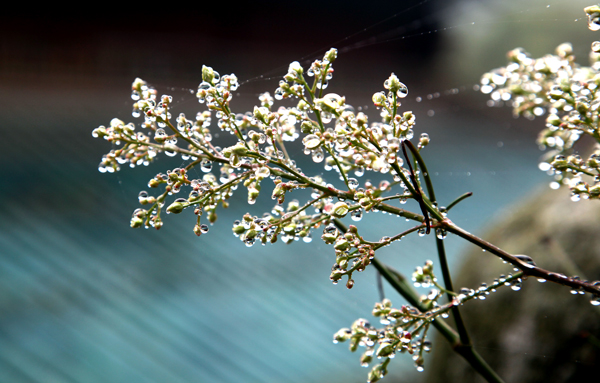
(347, 143)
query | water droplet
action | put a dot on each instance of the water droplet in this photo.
(440, 233)
(356, 215)
(594, 21)
(263, 172)
(318, 155)
(527, 260)
(402, 91)
(352, 183)
(206, 166)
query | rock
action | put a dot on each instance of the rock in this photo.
(542, 333)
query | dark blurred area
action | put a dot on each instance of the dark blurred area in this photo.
(84, 298)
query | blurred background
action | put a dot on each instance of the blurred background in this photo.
(84, 298)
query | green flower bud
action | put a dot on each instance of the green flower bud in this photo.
(175, 208)
(341, 244)
(306, 127)
(295, 68)
(239, 149)
(592, 9)
(342, 335)
(428, 268)
(251, 234)
(208, 74)
(312, 141)
(385, 349)
(302, 105)
(293, 205)
(238, 229)
(253, 193)
(376, 373)
(340, 209)
(331, 55)
(559, 162)
(564, 50)
(289, 228)
(328, 238)
(379, 99)
(330, 103)
(136, 222)
(554, 120)
(365, 359)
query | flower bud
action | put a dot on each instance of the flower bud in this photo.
(136, 222)
(553, 120)
(564, 50)
(385, 349)
(428, 268)
(592, 9)
(208, 74)
(340, 209)
(175, 208)
(379, 99)
(295, 68)
(330, 55)
(341, 244)
(238, 229)
(328, 238)
(239, 149)
(253, 193)
(342, 335)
